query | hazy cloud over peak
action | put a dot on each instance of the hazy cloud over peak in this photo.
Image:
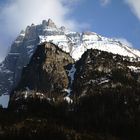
(17, 14)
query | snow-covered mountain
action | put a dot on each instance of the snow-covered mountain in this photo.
(74, 43)
(52, 75)
(71, 42)
(77, 43)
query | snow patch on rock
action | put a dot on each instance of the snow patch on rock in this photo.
(4, 100)
(134, 69)
(68, 99)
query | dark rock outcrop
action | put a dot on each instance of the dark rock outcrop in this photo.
(46, 72)
(98, 70)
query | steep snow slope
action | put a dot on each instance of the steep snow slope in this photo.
(77, 43)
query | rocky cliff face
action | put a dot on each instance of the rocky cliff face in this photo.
(17, 58)
(46, 73)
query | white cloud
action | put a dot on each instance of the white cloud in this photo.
(135, 6)
(125, 41)
(17, 14)
(105, 2)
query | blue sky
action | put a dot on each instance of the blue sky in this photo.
(115, 19)
(111, 18)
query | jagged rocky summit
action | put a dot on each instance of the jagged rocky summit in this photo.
(73, 44)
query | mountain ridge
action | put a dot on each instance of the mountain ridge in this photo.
(71, 42)
(52, 74)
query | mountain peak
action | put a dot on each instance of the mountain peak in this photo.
(44, 22)
(51, 24)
